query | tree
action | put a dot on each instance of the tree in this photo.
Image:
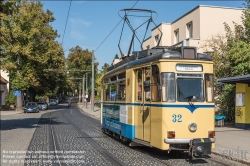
(231, 56)
(79, 59)
(105, 67)
(116, 56)
(28, 42)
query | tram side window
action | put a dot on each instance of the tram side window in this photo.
(147, 74)
(121, 90)
(106, 95)
(209, 79)
(168, 87)
(139, 85)
(155, 92)
(113, 91)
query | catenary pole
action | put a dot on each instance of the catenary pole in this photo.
(92, 89)
(83, 93)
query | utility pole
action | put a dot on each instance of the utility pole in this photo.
(86, 83)
(83, 93)
(92, 89)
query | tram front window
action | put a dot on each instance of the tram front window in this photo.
(190, 90)
(168, 87)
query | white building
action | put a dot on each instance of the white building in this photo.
(194, 27)
(4, 88)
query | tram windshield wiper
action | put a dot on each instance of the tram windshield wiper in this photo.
(188, 99)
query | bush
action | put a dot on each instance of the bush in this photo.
(11, 98)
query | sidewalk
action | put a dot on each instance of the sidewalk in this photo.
(231, 143)
(9, 112)
(95, 113)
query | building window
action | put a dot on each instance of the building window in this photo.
(176, 35)
(156, 39)
(148, 47)
(190, 30)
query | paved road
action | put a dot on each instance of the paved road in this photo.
(67, 136)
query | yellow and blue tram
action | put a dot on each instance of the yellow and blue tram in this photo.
(163, 98)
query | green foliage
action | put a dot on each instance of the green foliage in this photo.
(225, 101)
(28, 42)
(11, 98)
(116, 56)
(79, 59)
(98, 87)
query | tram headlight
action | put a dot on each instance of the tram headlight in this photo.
(192, 127)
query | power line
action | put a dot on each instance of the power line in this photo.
(113, 29)
(66, 21)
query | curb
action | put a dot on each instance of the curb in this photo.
(87, 113)
(230, 158)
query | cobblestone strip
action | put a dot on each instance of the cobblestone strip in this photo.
(114, 147)
(72, 149)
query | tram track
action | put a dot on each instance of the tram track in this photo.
(54, 140)
(102, 151)
(219, 162)
(94, 126)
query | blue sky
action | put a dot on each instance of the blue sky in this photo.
(90, 22)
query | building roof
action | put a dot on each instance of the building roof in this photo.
(237, 79)
(223, 7)
(115, 61)
(3, 81)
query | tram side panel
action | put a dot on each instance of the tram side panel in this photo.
(117, 116)
(129, 99)
(157, 125)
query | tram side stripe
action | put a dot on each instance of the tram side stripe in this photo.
(191, 109)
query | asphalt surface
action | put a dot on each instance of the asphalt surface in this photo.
(67, 136)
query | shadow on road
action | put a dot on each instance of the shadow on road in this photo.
(10, 124)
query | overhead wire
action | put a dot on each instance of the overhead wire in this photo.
(66, 21)
(113, 29)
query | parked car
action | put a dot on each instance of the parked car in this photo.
(31, 107)
(52, 102)
(42, 105)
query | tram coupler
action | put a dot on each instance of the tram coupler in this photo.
(200, 147)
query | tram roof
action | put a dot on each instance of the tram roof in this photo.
(151, 55)
(245, 79)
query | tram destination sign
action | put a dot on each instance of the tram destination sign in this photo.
(186, 67)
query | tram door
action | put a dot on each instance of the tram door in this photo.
(142, 110)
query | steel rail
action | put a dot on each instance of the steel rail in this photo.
(54, 140)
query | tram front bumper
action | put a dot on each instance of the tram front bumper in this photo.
(182, 141)
(199, 147)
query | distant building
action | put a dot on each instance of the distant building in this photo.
(4, 88)
(194, 27)
(115, 61)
